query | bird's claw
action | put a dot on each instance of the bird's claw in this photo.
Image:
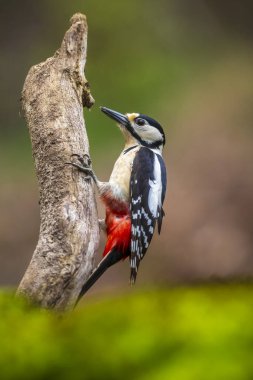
(81, 159)
(83, 166)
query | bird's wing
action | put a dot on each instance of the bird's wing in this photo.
(147, 192)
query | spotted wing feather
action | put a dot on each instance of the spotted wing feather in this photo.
(147, 190)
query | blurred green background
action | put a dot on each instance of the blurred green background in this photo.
(182, 334)
(188, 64)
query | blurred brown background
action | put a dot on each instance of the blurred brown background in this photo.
(187, 64)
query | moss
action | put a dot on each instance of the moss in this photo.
(182, 333)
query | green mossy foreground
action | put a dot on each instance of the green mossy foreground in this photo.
(181, 334)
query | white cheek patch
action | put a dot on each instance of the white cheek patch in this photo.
(150, 134)
(155, 192)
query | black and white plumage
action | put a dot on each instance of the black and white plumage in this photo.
(134, 194)
(147, 192)
(147, 182)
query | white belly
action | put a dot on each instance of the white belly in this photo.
(120, 177)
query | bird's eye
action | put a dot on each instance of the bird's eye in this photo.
(140, 121)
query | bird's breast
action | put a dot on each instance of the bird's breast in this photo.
(120, 177)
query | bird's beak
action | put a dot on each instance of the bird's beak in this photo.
(119, 117)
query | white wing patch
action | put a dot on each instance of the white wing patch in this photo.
(155, 192)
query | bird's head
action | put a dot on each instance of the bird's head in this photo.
(138, 128)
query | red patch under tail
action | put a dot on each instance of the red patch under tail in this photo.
(118, 233)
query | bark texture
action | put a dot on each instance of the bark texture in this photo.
(53, 97)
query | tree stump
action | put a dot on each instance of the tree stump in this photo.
(53, 98)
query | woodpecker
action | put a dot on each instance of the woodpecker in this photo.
(134, 195)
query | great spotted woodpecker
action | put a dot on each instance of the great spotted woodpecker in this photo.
(134, 195)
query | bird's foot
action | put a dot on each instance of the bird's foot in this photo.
(83, 165)
(82, 159)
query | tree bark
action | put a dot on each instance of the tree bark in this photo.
(53, 97)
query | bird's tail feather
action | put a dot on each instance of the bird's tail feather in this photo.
(111, 258)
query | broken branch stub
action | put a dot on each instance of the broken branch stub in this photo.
(53, 97)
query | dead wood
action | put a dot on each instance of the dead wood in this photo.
(53, 98)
